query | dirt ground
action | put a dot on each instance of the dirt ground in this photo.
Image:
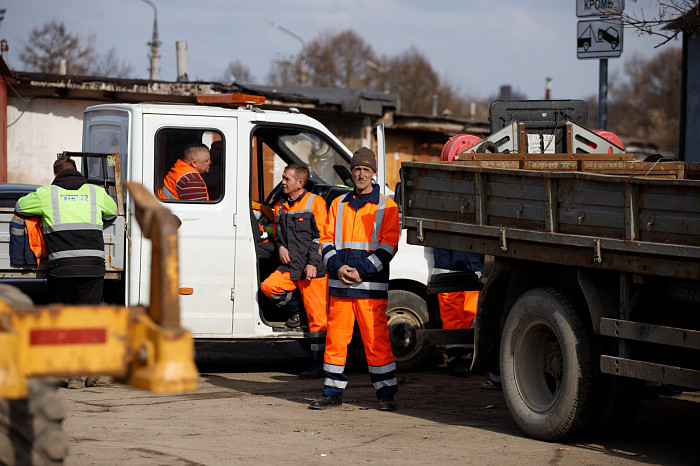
(251, 408)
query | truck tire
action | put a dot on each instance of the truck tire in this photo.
(14, 296)
(405, 314)
(547, 366)
(31, 428)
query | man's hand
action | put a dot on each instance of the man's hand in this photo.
(310, 272)
(349, 275)
(284, 255)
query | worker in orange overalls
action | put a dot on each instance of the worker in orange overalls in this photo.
(298, 222)
(360, 238)
(458, 308)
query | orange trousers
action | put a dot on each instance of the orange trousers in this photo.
(458, 309)
(314, 294)
(371, 318)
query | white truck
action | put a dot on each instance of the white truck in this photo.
(220, 266)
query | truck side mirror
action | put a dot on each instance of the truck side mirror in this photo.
(397, 195)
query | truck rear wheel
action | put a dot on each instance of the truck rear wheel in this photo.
(31, 430)
(547, 365)
(407, 313)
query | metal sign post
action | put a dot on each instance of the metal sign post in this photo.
(599, 37)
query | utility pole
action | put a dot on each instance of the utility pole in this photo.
(154, 43)
(302, 57)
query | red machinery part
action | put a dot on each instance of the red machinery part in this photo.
(458, 144)
(610, 137)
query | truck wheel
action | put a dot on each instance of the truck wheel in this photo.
(31, 428)
(405, 314)
(14, 296)
(547, 366)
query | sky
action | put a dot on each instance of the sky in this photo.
(474, 45)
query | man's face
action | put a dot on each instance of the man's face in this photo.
(202, 162)
(290, 183)
(362, 177)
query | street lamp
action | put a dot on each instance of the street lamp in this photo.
(154, 43)
(302, 57)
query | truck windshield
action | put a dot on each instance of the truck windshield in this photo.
(325, 163)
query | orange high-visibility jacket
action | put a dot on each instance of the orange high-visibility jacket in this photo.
(168, 189)
(364, 234)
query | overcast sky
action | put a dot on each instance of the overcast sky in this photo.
(475, 45)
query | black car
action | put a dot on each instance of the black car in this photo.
(10, 192)
(609, 35)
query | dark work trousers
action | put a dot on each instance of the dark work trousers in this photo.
(75, 290)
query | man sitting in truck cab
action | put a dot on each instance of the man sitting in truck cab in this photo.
(184, 180)
(300, 217)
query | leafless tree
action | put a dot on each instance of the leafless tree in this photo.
(338, 60)
(672, 18)
(49, 44)
(645, 104)
(284, 72)
(110, 64)
(236, 72)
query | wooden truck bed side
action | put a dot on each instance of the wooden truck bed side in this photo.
(633, 224)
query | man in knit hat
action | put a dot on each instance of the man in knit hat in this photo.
(360, 238)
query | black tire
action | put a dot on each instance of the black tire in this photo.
(406, 313)
(31, 430)
(547, 366)
(14, 296)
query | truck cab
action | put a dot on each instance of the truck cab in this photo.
(221, 263)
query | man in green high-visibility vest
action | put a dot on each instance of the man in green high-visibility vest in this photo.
(73, 215)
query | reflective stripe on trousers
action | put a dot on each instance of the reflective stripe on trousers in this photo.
(371, 319)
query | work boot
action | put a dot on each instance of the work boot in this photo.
(387, 403)
(92, 380)
(458, 367)
(326, 402)
(75, 382)
(313, 372)
(294, 321)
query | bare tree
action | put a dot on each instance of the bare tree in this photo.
(338, 60)
(111, 65)
(666, 23)
(646, 104)
(284, 72)
(236, 72)
(49, 44)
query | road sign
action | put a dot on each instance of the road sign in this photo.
(599, 39)
(598, 7)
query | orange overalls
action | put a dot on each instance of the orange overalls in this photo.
(297, 227)
(168, 190)
(457, 308)
(363, 233)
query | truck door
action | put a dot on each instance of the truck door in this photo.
(207, 235)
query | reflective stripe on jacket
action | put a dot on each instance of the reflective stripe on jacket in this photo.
(72, 224)
(168, 189)
(362, 233)
(298, 228)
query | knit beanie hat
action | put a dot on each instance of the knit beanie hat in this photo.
(364, 157)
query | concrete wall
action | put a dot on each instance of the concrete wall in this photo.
(38, 129)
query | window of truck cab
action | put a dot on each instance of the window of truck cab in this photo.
(275, 147)
(170, 144)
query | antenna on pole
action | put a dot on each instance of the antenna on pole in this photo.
(154, 43)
